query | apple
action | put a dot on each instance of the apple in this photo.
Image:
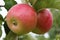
(21, 19)
(44, 21)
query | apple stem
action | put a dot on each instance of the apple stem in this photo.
(11, 36)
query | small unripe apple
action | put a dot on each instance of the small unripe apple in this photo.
(44, 21)
(21, 19)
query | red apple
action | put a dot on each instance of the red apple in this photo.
(21, 19)
(44, 22)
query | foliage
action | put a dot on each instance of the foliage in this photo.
(39, 4)
(56, 24)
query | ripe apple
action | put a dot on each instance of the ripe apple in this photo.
(44, 21)
(21, 19)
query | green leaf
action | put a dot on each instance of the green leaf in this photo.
(1, 19)
(7, 30)
(11, 36)
(39, 4)
(0, 31)
(9, 3)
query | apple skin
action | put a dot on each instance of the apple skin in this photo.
(44, 21)
(21, 19)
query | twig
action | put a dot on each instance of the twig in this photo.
(34, 2)
(1, 5)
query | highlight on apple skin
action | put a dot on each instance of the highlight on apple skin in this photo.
(21, 19)
(44, 21)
